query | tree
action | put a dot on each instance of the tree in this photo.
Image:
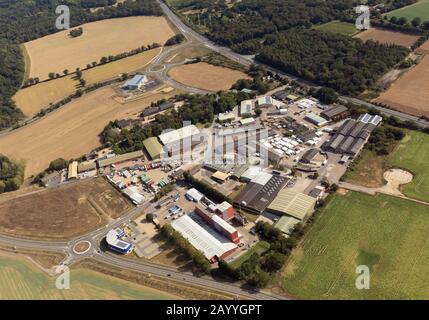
(259, 280)
(327, 95)
(149, 217)
(58, 164)
(66, 72)
(426, 25)
(273, 261)
(416, 22)
(51, 75)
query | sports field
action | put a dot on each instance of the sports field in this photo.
(59, 51)
(32, 99)
(410, 93)
(20, 279)
(388, 37)
(71, 131)
(419, 9)
(116, 68)
(344, 28)
(206, 76)
(412, 154)
(387, 234)
(61, 213)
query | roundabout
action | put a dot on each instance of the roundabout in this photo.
(82, 247)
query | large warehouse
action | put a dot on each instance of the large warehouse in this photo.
(153, 147)
(294, 204)
(352, 135)
(203, 237)
(260, 191)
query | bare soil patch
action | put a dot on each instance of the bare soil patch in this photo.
(388, 37)
(59, 51)
(410, 93)
(206, 76)
(64, 212)
(395, 179)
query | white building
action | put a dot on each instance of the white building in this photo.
(135, 83)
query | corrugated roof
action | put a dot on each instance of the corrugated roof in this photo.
(153, 147)
(86, 166)
(120, 158)
(286, 224)
(295, 204)
(220, 176)
(72, 172)
(203, 237)
(179, 134)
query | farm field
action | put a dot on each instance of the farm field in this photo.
(63, 212)
(114, 69)
(21, 280)
(412, 154)
(32, 99)
(388, 37)
(72, 130)
(344, 28)
(410, 93)
(206, 76)
(57, 52)
(387, 234)
(419, 9)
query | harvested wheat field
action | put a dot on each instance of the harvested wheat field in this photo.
(72, 130)
(32, 99)
(116, 68)
(388, 37)
(63, 212)
(206, 76)
(410, 93)
(59, 51)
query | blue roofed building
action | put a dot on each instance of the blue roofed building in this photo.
(135, 83)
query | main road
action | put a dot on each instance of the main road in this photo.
(192, 35)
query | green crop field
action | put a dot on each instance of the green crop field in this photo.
(420, 9)
(19, 279)
(387, 234)
(344, 28)
(412, 154)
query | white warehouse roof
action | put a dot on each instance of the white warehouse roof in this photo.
(205, 239)
(179, 134)
(195, 195)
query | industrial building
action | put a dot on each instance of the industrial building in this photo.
(135, 83)
(186, 135)
(335, 113)
(352, 135)
(315, 119)
(214, 245)
(286, 224)
(115, 242)
(157, 109)
(194, 195)
(246, 108)
(265, 102)
(86, 166)
(108, 161)
(226, 117)
(220, 177)
(72, 171)
(153, 148)
(305, 103)
(294, 204)
(134, 195)
(260, 191)
(309, 155)
(209, 214)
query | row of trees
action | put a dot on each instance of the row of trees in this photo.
(11, 174)
(195, 255)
